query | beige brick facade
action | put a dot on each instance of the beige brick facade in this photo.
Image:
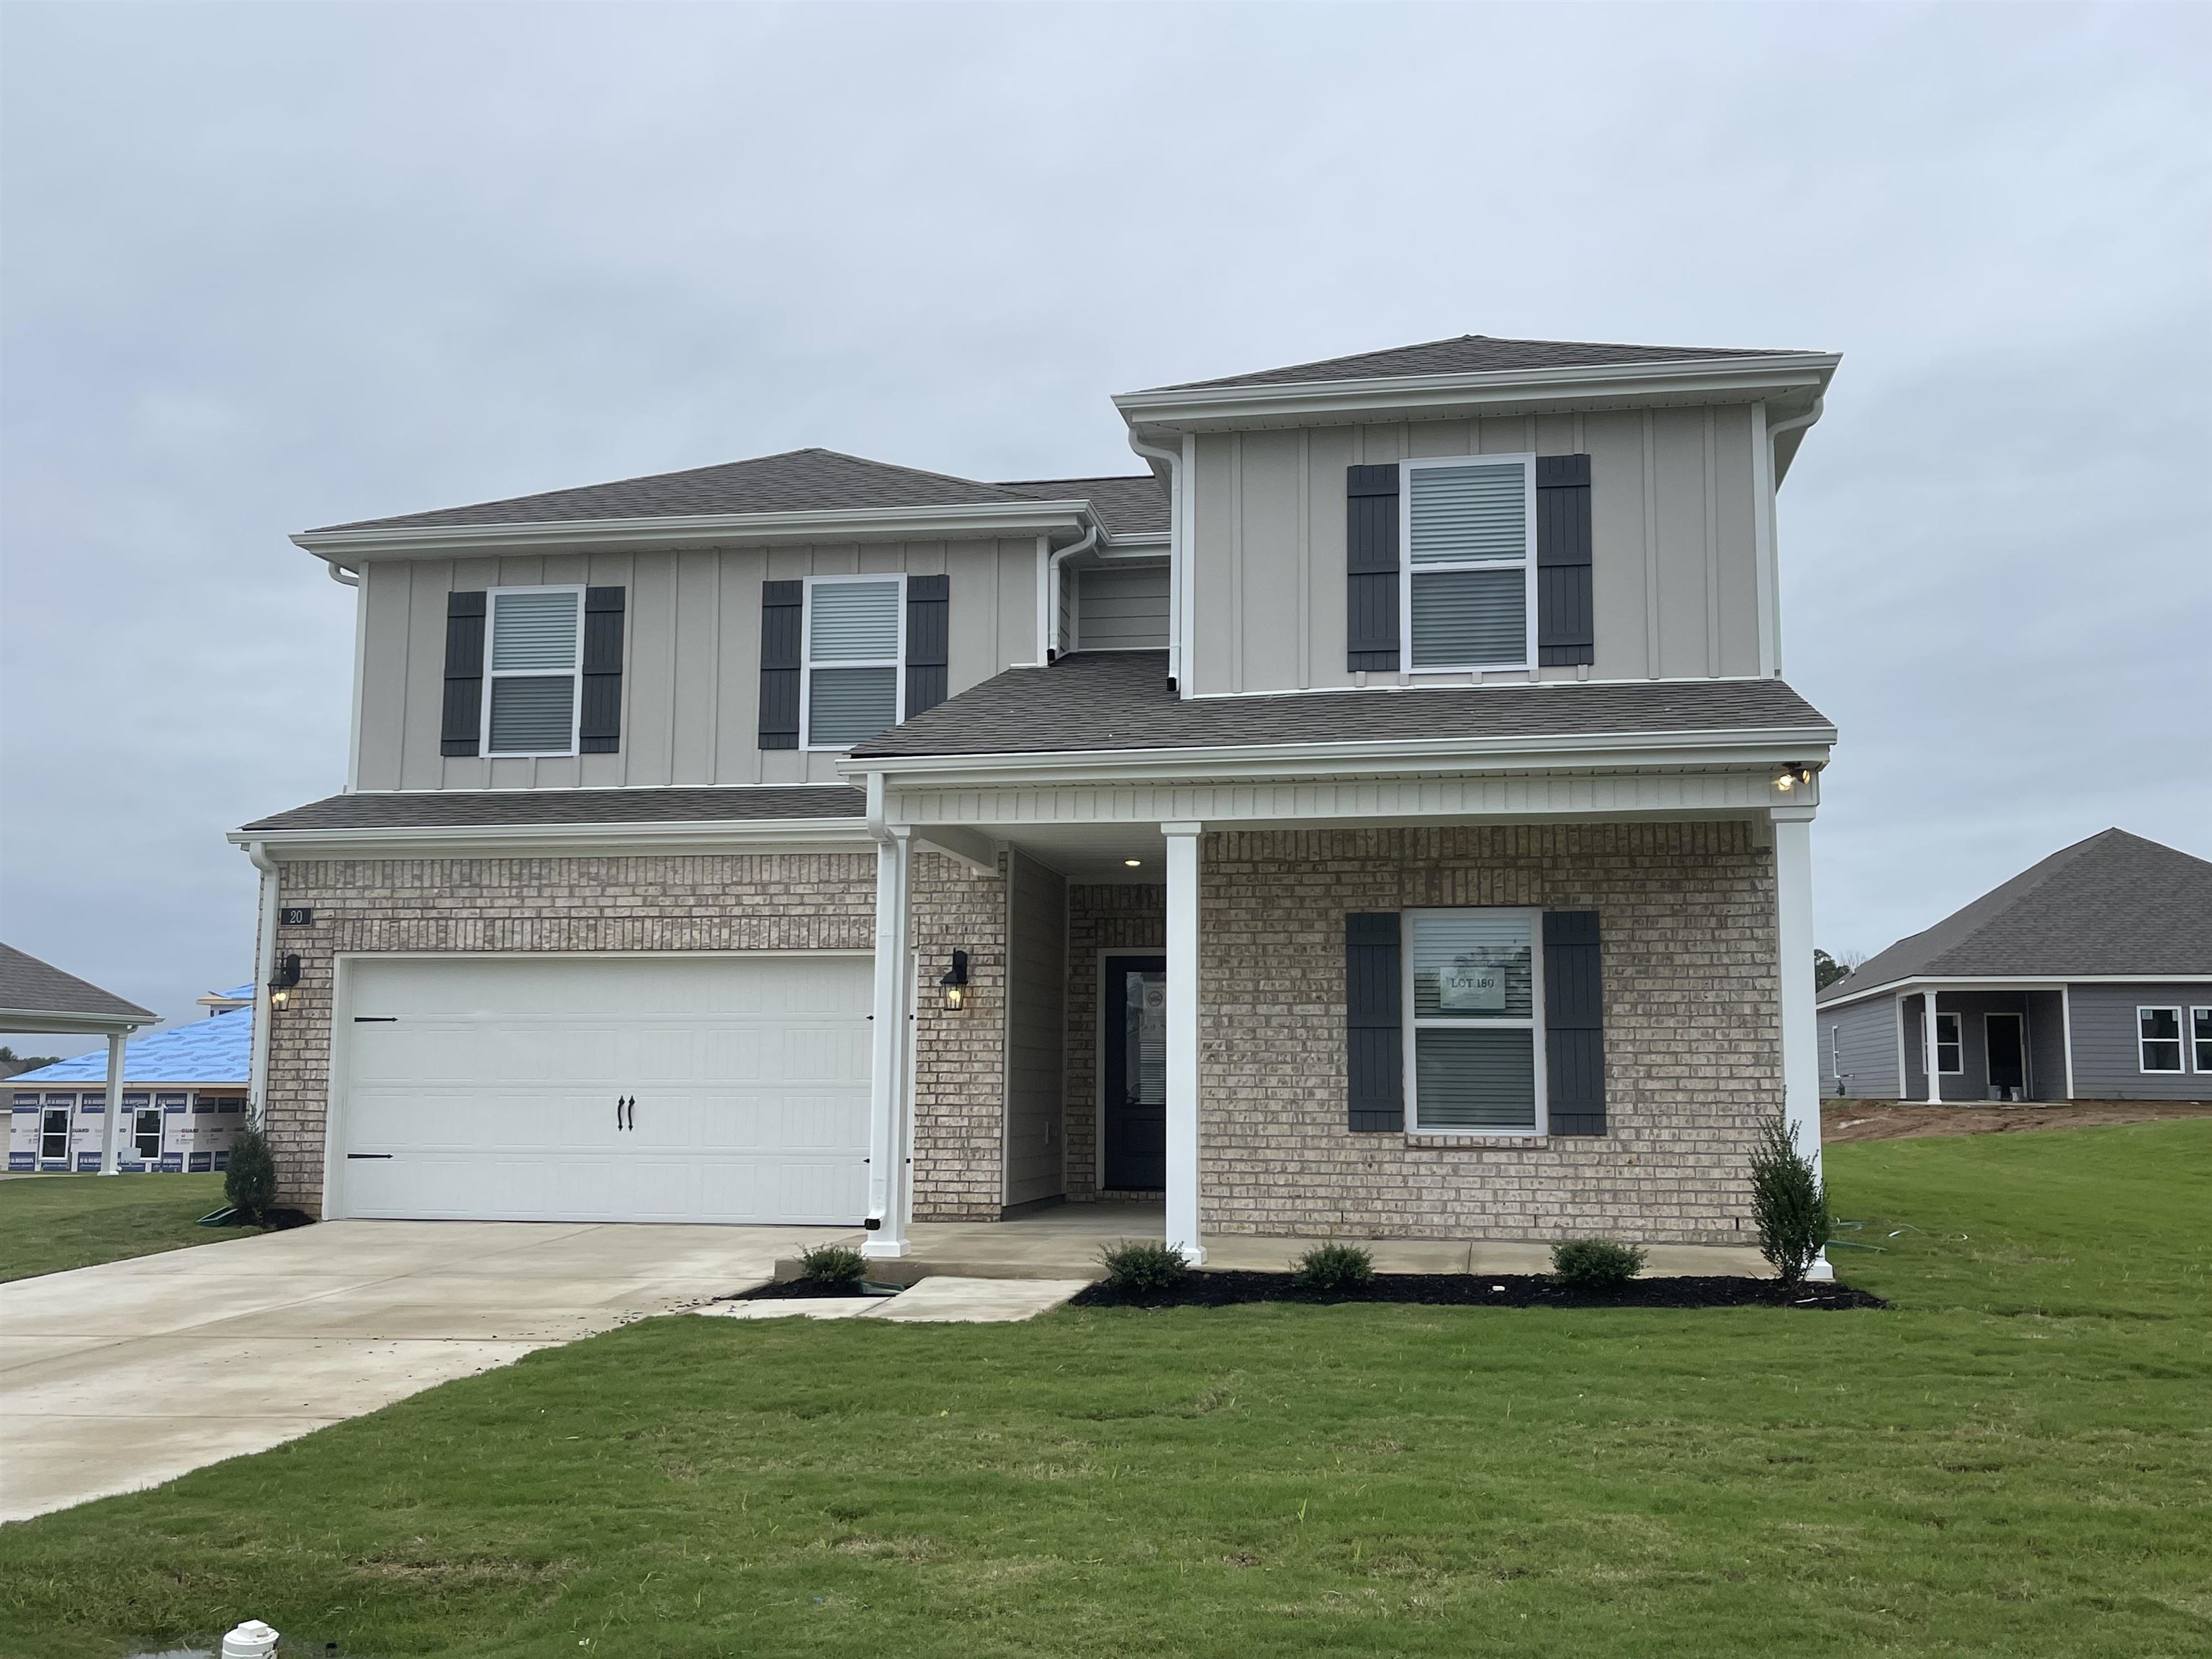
(719, 902)
(1691, 1017)
(959, 1062)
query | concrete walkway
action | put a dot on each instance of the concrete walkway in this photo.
(938, 1301)
(132, 1373)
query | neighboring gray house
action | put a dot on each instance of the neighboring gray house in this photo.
(2086, 977)
(1383, 814)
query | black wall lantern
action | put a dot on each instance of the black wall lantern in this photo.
(956, 982)
(282, 981)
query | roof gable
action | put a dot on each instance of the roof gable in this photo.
(2112, 905)
(1474, 354)
(30, 986)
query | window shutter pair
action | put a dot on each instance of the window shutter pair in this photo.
(783, 609)
(1574, 1024)
(461, 730)
(1373, 561)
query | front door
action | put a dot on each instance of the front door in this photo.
(1133, 1106)
(2008, 1055)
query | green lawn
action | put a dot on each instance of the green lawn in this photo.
(2016, 1461)
(49, 1223)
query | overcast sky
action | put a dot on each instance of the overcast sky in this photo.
(267, 267)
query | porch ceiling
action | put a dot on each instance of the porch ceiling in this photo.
(1096, 852)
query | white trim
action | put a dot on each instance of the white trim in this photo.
(1183, 575)
(891, 1184)
(1958, 1024)
(1527, 562)
(895, 664)
(1765, 554)
(1798, 1016)
(2197, 1058)
(1897, 1008)
(978, 520)
(573, 840)
(1533, 1024)
(1908, 985)
(2143, 1067)
(361, 676)
(492, 676)
(1734, 380)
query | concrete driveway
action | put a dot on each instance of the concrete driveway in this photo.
(132, 1373)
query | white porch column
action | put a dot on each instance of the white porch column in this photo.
(1928, 1045)
(1801, 1033)
(117, 1042)
(1182, 1039)
(891, 1187)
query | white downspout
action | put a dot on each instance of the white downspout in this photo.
(1178, 549)
(1051, 587)
(265, 968)
(1770, 565)
(360, 667)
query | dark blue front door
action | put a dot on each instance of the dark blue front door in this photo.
(1134, 1014)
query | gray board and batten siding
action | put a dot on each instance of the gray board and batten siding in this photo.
(691, 684)
(1675, 509)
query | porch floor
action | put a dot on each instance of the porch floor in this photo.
(1063, 1243)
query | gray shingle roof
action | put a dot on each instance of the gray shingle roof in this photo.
(453, 809)
(1472, 353)
(2114, 904)
(1134, 505)
(30, 986)
(1121, 700)
(797, 481)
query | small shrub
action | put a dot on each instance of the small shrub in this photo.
(249, 1179)
(1596, 1264)
(1143, 1265)
(832, 1265)
(1788, 1205)
(1334, 1268)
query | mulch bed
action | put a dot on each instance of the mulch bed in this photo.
(1227, 1290)
(787, 1290)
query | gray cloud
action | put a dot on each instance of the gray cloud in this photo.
(271, 267)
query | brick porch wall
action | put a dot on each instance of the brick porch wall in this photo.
(959, 1068)
(733, 901)
(1107, 917)
(1693, 1051)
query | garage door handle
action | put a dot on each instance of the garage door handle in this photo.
(358, 1155)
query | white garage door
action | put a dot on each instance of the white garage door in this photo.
(492, 1089)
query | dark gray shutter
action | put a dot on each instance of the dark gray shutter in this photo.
(1565, 633)
(1574, 1022)
(928, 608)
(1374, 1054)
(1371, 551)
(783, 607)
(601, 732)
(463, 730)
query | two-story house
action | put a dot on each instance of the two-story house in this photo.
(1383, 817)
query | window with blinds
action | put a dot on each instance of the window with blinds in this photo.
(1469, 533)
(533, 665)
(853, 637)
(1473, 989)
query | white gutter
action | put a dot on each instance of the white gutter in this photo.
(1794, 423)
(264, 970)
(1910, 982)
(847, 524)
(1744, 379)
(337, 574)
(476, 840)
(1052, 587)
(1178, 549)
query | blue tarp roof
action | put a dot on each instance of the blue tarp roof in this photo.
(238, 992)
(217, 1050)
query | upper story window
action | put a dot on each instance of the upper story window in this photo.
(1469, 530)
(533, 663)
(854, 638)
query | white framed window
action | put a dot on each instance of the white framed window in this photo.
(2200, 1032)
(1468, 524)
(853, 643)
(1950, 1046)
(1474, 1028)
(2157, 1039)
(533, 670)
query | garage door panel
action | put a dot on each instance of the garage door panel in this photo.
(491, 1085)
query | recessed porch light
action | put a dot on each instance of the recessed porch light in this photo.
(1134, 864)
